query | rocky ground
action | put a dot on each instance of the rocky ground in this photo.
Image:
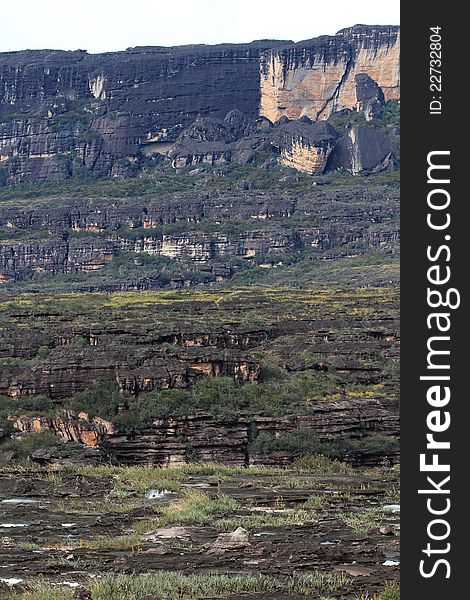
(272, 529)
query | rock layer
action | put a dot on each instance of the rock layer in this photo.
(64, 113)
(317, 77)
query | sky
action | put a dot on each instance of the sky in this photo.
(109, 25)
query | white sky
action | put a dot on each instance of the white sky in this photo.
(105, 25)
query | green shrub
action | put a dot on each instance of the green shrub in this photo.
(303, 442)
(102, 399)
(24, 446)
(43, 352)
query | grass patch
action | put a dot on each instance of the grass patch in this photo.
(315, 502)
(174, 585)
(391, 591)
(318, 463)
(29, 546)
(362, 522)
(118, 542)
(42, 591)
(295, 483)
(256, 522)
(194, 508)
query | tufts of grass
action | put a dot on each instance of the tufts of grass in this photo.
(362, 522)
(41, 591)
(29, 546)
(318, 463)
(194, 508)
(174, 585)
(315, 502)
(391, 591)
(119, 542)
(136, 480)
(260, 521)
(296, 483)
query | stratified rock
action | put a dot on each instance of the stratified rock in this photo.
(248, 149)
(240, 124)
(230, 542)
(62, 113)
(370, 97)
(305, 146)
(316, 77)
(68, 427)
(68, 454)
(205, 141)
(361, 150)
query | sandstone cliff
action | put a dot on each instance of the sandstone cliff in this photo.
(64, 113)
(317, 77)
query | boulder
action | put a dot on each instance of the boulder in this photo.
(362, 150)
(228, 542)
(167, 533)
(304, 145)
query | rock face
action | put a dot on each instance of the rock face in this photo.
(362, 150)
(305, 146)
(80, 237)
(158, 341)
(68, 427)
(64, 113)
(317, 77)
(177, 440)
(370, 97)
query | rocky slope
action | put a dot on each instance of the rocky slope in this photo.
(202, 263)
(186, 238)
(148, 343)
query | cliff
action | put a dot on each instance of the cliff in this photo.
(171, 240)
(64, 113)
(210, 168)
(317, 77)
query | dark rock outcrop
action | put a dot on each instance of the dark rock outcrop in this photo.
(177, 440)
(362, 150)
(370, 97)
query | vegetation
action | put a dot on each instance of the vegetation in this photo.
(176, 585)
(22, 448)
(172, 585)
(390, 592)
(362, 522)
(294, 376)
(304, 443)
